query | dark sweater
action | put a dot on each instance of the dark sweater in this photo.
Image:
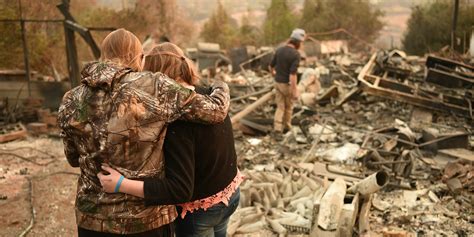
(200, 161)
(285, 61)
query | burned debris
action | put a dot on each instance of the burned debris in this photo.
(29, 98)
(381, 144)
(337, 173)
(377, 81)
(449, 73)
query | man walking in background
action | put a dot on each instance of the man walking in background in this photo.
(284, 67)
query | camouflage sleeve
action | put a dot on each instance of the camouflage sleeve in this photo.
(190, 106)
(211, 108)
(70, 150)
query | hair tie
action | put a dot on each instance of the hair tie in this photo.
(183, 58)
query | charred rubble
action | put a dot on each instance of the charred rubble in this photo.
(381, 145)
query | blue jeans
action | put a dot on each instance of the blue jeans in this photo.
(212, 222)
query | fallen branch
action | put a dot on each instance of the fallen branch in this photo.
(30, 198)
(32, 209)
(25, 158)
(262, 100)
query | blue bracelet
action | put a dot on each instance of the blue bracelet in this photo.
(117, 186)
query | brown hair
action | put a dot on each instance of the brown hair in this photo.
(123, 47)
(169, 59)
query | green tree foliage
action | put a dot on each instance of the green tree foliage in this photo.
(220, 28)
(46, 40)
(358, 17)
(249, 34)
(429, 27)
(146, 18)
(163, 17)
(10, 44)
(279, 22)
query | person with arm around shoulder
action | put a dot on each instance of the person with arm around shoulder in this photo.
(202, 177)
(118, 115)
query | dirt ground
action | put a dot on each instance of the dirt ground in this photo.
(38, 187)
(39, 181)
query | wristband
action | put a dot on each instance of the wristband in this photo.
(119, 182)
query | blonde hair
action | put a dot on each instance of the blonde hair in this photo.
(169, 59)
(123, 47)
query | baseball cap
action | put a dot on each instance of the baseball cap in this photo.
(298, 34)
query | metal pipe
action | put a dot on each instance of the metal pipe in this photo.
(328, 169)
(71, 50)
(25, 49)
(318, 138)
(388, 162)
(371, 184)
(454, 23)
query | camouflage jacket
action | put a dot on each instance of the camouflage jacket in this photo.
(119, 117)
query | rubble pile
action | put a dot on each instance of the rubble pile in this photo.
(381, 145)
(279, 198)
(27, 118)
(447, 91)
(416, 152)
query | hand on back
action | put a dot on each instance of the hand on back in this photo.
(108, 181)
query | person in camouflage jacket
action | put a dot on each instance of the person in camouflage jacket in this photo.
(119, 117)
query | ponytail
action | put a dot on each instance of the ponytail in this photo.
(188, 72)
(169, 59)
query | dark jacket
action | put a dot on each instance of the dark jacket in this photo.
(200, 161)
